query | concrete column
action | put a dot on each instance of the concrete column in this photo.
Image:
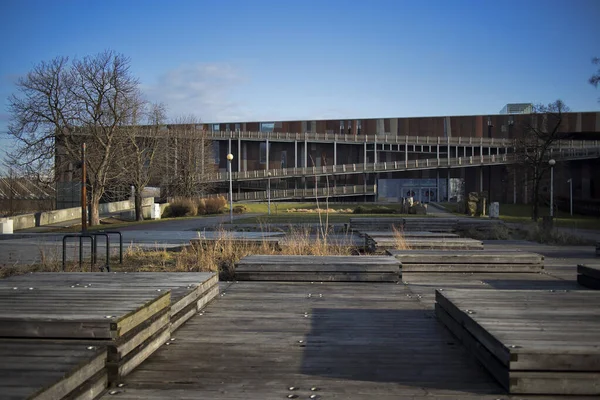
(375, 151)
(448, 147)
(267, 153)
(305, 154)
(365, 155)
(437, 181)
(334, 152)
(438, 152)
(296, 153)
(448, 186)
(239, 153)
(229, 150)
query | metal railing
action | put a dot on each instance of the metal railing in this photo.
(278, 194)
(431, 163)
(387, 138)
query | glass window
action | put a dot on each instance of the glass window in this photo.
(308, 126)
(237, 127)
(263, 152)
(358, 127)
(216, 128)
(342, 127)
(267, 126)
(227, 127)
(216, 154)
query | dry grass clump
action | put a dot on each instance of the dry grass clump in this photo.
(494, 232)
(399, 239)
(182, 207)
(554, 236)
(212, 205)
(216, 255)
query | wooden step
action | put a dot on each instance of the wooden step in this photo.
(190, 291)
(385, 243)
(319, 268)
(589, 276)
(531, 341)
(468, 261)
(41, 369)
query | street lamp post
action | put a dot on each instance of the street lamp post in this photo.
(571, 196)
(269, 192)
(229, 159)
(552, 162)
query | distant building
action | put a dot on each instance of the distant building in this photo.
(517, 108)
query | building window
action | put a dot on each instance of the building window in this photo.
(308, 126)
(216, 127)
(227, 127)
(216, 155)
(263, 152)
(237, 127)
(267, 126)
(278, 125)
(284, 159)
(341, 127)
(349, 127)
(358, 127)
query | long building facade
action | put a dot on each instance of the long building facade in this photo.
(385, 159)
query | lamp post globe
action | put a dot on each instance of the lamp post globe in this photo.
(230, 158)
(552, 162)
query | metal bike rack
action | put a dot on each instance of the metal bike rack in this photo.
(95, 250)
(120, 242)
(81, 236)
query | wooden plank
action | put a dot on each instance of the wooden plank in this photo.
(49, 376)
(324, 276)
(531, 330)
(591, 271)
(466, 256)
(493, 268)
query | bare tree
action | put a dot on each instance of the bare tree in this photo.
(140, 150)
(534, 143)
(595, 79)
(62, 104)
(188, 159)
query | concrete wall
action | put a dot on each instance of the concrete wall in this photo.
(52, 217)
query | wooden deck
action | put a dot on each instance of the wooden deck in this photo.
(468, 261)
(531, 341)
(347, 340)
(130, 314)
(318, 268)
(589, 276)
(34, 369)
(418, 243)
(189, 291)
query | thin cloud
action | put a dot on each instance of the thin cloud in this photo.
(204, 90)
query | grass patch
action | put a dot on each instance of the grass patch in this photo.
(294, 218)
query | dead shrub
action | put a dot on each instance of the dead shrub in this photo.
(215, 205)
(399, 239)
(182, 208)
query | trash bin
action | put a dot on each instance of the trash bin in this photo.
(494, 210)
(155, 211)
(6, 226)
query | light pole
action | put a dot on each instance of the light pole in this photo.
(552, 161)
(229, 159)
(571, 195)
(269, 192)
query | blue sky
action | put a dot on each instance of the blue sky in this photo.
(273, 60)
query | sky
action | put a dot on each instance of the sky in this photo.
(260, 60)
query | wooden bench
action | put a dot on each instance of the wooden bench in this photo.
(36, 370)
(468, 261)
(390, 243)
(318, 268)
(190, 291)
(589, 276)
(131, 323)
(531, 341)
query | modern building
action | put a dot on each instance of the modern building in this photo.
(385, 159)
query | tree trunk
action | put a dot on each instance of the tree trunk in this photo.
(536, 196)
(139, 215)
(94, 208)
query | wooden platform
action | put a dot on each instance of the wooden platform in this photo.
(532, 342)
(388, 243)
(318, 268)
(410, 234)
(36, 369)
(468, 261)
(190, 291)
(589, 276)
(348, 341)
